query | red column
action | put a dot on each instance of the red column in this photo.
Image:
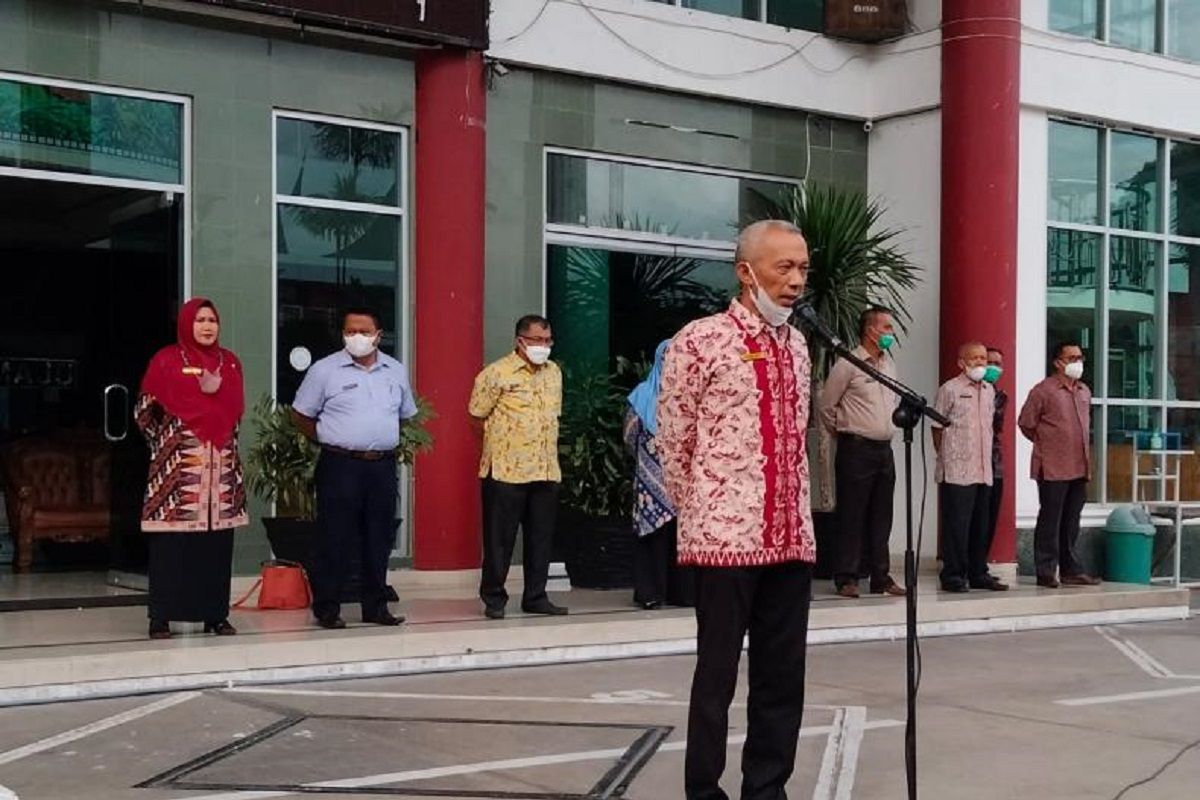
(981, 54)
(449, 218)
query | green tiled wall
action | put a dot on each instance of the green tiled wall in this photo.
(234, 81)
(528, 111)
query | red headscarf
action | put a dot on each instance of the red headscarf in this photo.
(212, 417)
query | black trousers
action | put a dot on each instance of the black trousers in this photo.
(966, 514)
(866, 481)
(506, 506)
(656, 575)
(771, 603)
(994, 498)
(1061, 503)
(356, 510)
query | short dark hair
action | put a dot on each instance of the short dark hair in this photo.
(361, 311)
(991, 349)
(1056, 353)
(868, 316)
(528, 321)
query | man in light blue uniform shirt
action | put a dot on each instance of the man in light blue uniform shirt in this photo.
(352, 403)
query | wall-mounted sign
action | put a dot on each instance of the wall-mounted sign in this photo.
(38, 373)
(457, 22)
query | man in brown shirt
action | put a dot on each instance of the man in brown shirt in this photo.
(964, 472)
(859, 410)
(1056, 417)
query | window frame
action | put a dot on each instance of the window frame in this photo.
(404, 306)
(1158, 405)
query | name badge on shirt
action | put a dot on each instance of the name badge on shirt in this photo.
(754, 356)
(192, 371)
(349, 386)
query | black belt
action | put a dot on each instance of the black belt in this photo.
(854, 437)
(361, 455)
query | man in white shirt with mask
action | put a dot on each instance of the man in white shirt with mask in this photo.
(353, 403)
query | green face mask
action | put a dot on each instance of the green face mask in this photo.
(992, 373)
(886, 340)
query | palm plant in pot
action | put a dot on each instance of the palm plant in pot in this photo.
(280, 468)
(595, 526)
(856, 262)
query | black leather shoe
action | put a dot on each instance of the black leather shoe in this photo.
(1047, 581)
(333, 623)
(222, 628)
(385, 618)
(494, 612)
(545, 607)
(991, 584)
(956, 588)
(651, 605)
(160, 630)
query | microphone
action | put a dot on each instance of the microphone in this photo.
(811, 321)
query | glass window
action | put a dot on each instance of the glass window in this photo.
(1183, 322)
(1133, 23)
(747, 9)
(805, 15)
(1133, 312)
(1127, 425)
(329, 259)
(1185, 189)
(606, 304)
(1183, 29)
(597, 193)
(331, 249)
(90, 133)
(1133, 183)
(1080, 17)
(1074, 194)
(1183, 433)
(336, 162)
(1074, 266)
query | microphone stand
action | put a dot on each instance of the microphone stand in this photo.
(906, 417)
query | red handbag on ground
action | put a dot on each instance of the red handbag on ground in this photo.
(284, 586)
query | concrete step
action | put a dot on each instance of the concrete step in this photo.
(50, 656)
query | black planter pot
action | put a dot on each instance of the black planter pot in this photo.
(598, 550)
(294, 539)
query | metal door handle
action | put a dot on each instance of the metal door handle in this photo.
(109, 434)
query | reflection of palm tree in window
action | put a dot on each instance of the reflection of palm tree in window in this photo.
(356, 148)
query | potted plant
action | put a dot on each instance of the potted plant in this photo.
(595, 524)
(280, 467)
(855, 263)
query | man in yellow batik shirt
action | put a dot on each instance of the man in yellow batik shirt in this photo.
(518, 399)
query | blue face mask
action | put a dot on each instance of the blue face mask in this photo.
(992, 373)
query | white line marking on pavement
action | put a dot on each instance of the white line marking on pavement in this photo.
(1146, 662)
(613, 699)
(835, 780)
(96, 727)
(493, 766)
(1104, 699)
(855, 726)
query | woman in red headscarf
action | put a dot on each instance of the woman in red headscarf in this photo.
(189, 408)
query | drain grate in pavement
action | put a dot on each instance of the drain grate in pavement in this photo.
(426, 757)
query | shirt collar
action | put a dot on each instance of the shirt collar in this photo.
(347, 360)
(1066, 384)
(753, 323)
(515, 363)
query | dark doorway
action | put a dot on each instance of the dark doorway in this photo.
(90, 279)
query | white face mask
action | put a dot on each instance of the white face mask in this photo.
(359, 345)
(1074, 370)
(772, 312)
(976, 373)
(537, 353)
